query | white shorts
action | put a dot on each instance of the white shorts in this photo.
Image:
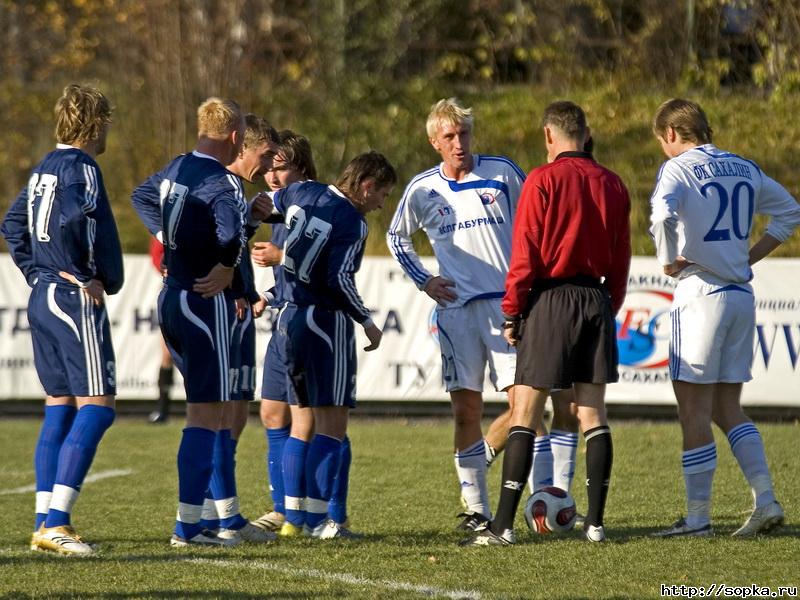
(713, 326)
(471, 336)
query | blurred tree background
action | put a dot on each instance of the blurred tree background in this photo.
(360, 74)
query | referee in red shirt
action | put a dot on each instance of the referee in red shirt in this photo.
(569, 266)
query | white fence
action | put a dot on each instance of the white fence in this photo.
(407, 365)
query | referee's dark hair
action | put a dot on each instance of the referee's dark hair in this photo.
(567, 117)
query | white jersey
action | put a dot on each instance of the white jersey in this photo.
(468, 222)
(703, 206)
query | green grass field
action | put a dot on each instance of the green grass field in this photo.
(404, 497)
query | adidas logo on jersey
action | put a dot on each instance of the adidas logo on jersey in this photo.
(433, 194)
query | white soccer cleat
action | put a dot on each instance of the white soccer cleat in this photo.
(761, 520)
(204, 538)
(270, 521)
(595, 534)
(330, 529)
(248, 533)
(62, 540)
(680, 529)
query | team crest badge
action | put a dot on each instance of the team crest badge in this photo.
(487, 198)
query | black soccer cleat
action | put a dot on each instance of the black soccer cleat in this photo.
(472, 521)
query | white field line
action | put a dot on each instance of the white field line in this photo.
(89, 479)
(347, 578)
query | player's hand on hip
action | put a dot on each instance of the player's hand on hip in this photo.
(266, 254)
(674, 268)
(440, 290)
(374, 334)
(218, 278)
(92, 288)
(258, 307)
(261, 206)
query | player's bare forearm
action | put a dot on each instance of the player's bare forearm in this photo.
(763, 248)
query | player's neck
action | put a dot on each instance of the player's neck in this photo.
(219, 149)
(89, 148)
(458, 173)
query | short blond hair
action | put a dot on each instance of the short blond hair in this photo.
(450, 111)
(217, 118)
(81, 114)
(687, 118)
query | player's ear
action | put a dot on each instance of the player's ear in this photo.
(548, 135)
(366, 187)
(587, 135)
(434, 142)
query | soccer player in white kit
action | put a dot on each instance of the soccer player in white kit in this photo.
(702, 214)
(466, 206)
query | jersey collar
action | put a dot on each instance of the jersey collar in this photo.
(574, 154)
(202, 155)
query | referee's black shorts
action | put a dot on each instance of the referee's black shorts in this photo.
(568, 335)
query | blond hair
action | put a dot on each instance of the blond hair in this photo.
(450, 111)
(81, 114)
(217, 118)
(686, 118)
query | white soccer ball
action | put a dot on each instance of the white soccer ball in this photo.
(550, 510)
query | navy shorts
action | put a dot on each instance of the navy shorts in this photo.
(275, 380)
(198, 334)
(243, 358)
(71, 336)
(321, 353)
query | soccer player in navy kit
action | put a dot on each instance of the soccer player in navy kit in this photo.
(289, 427)
(323, 251)
(61, 234)
(221, 510)
(199, 203)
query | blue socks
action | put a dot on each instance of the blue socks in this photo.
(55, 427)
(294, 480)
(75, 458)
(337, 507)
(322, 464)
(223, 482)
(195, 463)
(276, 440)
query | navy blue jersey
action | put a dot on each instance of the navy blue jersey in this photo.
(324, 247)
(278, 293)
(62, 221)
(201, 206)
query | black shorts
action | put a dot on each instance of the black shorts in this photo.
(568, 335)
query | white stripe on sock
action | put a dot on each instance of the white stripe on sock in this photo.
(43, 502)
(63, 498)
(189, 513)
